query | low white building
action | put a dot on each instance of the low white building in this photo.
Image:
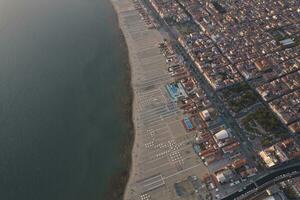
(205, 115)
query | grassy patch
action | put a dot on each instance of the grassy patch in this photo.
(266, 120)
(186, 28)
(239, 97)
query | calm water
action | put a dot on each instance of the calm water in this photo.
(62, 85)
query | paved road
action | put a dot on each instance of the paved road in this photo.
(279, 174)
(163, 155)
(247, 81)
(230, 122)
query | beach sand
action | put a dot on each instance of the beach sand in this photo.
(162, 152)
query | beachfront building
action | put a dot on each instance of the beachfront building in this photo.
(176, 91)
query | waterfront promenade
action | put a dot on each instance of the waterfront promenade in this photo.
(162, 152)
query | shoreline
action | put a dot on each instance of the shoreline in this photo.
(118, 183)
(156, 163)
(130, 55)
(155, 118)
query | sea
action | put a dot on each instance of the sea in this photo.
(65, 101)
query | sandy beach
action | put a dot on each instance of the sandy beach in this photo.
(162, 153)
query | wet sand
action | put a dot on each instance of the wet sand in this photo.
(162, 153)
